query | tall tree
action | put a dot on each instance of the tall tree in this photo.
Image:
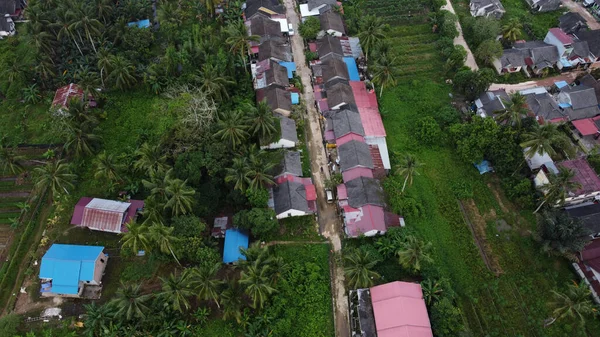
(162, 237)
(558, 188)
(55, 175)
(545, 138)
(371, 33)
(85, 21)
(516, 110)
(488, 51)
(180, 197)
(238, 174)
(255, 278)
(136, 238)
(97, 319)
(413, 253)
(213, 81)
(232, 128)
(157, 185)
(261, 120)
(176, 291)
(573, 304)
(10, 161)
(358, 268)
(561, 235)
(130, 303)
(151, 159)
(238, 39)
(80, 139)
(107, 168)
(231, 299)
(408, 168)
(258, 168)
(384, 68)
(121, 72)
(512, 30)
(206, 283)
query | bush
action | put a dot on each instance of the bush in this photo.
(257, 197)
(311, 55)
(520, 191)
(194, 250)
(260, 221)
(447, 116)
(446, 319)
(310, 28)
(187, 226)
(428, 131)
(9, 325)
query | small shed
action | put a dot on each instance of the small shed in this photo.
(105, 215)
(484, 167)
(234, 240)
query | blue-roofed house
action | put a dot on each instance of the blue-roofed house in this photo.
(140, 24)
(234, 240)
(352, 68)
(67, 269)
(290, 67)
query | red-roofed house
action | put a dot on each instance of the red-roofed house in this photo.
(395, 309)
(64, 94)
(588, 267)
(586, 177)
(105, 215)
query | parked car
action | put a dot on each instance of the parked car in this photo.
(290, 29)
(329, 195)
(588, 3)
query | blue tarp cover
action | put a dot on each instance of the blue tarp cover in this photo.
(66, 265)
(560, 84)
(295, 98)
(484, 167)
(234, 240)
(140, 24)
(290, 66)
(352, 69)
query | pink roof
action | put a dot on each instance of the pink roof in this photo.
(105, 215)
(561, 36)
(367, 108)
(342, 193)
(357, 172)
(329, 136)
(348, 137)
(364, 219)
(290, 177)
(400, 310)
(584, 175)
(585, 126)
(64, 94)
(312, 46)
(311, 192)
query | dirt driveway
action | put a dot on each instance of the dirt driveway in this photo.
(578, 8)
(460, 40)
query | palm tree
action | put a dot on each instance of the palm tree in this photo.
(176, 291)
(432, 291)
(150, 159)
(516, 109)
(80, 141)
(90, 26)
(205, 282)
(358, 269)
(136, 238)
(383, 71)
(258, 168)
(44, 68)
(231, 128)
(371, 33)
(88, 81)
(238, 174)
(10, 162)
(55, 175)
(130, 303)
(512, 30)
(210, 6)
(105, 63)
(162, 237)
(231, 299)
(180, 197)
(255, 278)
(104, 9)
(121, 72)
(262, 121)
(65, 30)
(97, 318)
(153, 210)
(239, 40)
(213, 82)
(545, 138)
(31, 94)
(559, 187)
(413, 253)
(575, 303)
(562, 235)
(408, 169)
(157, 185)
(107, 168)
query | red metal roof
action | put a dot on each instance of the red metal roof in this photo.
(357, 172)
(561, 36)
(311, 192)
(366, 101)
(64, 94)
(378, 169)
(400, 310)
(364, 219)
(312, 46)
(585, 126)
(105, 215)
(584, 175)
(349, 137)
(342, 193)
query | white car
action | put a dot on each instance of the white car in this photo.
(290, 29)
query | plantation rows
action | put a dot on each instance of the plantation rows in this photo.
(398, 12)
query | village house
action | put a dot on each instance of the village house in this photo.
(265, 8)
(289, 136)
(355, 160)
(339, 93)
(278, 99)
(572, 22)
(331, 24)
(275, 48)
(329, 45)
(588, 267)
(270, 73)
(584, 175)
(578, 102)
(592, 37)
(491, 102)
(345, 125)
(264, 27)
(543, 5)
(66, 271)
(572, 53)
(10, 10)
(235, 240)
(294, 196)
(334, 68)
(105, 215)
(314, 7)
(544, 108)
(487, 8)
(530, 56)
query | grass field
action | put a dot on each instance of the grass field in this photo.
(513, 304)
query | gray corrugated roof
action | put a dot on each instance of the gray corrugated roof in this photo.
(589, 112)
(262, 26)
(5, 26)
(290, 195)
(571, 22)
(544, 106)
(589, 215)
(354, 154)
(278, 98)
(512, 57)
(277, 74)
(288, 129)
(592, 37)
(543, 54)
(345, 122)
(339, 93)
(254, 7)
(364, 191)
(492, 101)
(316, 3)
(581, 96)
(275, 48)
(334, 67)
(330, 20)
(580, 49)
(291, 164)
(9, 6)
(329, 44)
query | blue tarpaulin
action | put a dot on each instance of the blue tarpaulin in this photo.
(564, 105)
(295, 98)
(67, 265)
(234, 240)
(140, 24)
(560, 84)
(484, 167)
(290, 66)
(352, 69)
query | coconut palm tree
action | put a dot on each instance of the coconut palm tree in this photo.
(44, 68)
(136, 238)
(255, 278)
(205, 282)
(232, 129)
(562, 235)
(84, 20)
(371, 33)
(512, 30)
(180, 197)
(559, 187)
(162, 237)
(64, 19)
(176, 291)
(10, 161)
(408, 168)
(574, 303)
(157, 185)
(238, 174)
(545, 138)
(107, 168)
(384, 68)
(43, 42)
(239, 40)
(516, 110)
(258, 166)
(97, 318)
(105, 63)
(413, 253)
(151, 159)
(121, 72)
(261, 120)
(88, 81)
(130, 303)
(80, 140)
(103, 8)
(56, 176)
(231, 299)
(358, 269)
(213, 82)
(153, 210)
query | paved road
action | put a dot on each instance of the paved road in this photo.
(329, 222)
(575, 7)
(460, 40)
(545, 82)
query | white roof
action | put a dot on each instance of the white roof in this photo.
(221, 222)
(541, 180)
(108, 205)
(535, 90)
(283, 24)
(383, 150)
(304, 12)
(537, 160)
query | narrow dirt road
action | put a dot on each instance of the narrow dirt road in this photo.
(544, 82)
(329, 222)
(460, 40)
(578, 8)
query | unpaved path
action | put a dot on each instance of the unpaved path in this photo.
(575, 7)
(460, 40)
(329, 222)
(544, 82)
(273, 243)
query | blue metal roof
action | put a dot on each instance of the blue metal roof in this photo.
(234, 240)
(560, 84)
(484, 167)
(66, 265)
(295, 98)
(290, 66)
(140, 24)
(352, 68)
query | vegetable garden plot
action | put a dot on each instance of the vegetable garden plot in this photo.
(398, 12)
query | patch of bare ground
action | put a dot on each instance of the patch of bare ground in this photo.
(477, 223)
